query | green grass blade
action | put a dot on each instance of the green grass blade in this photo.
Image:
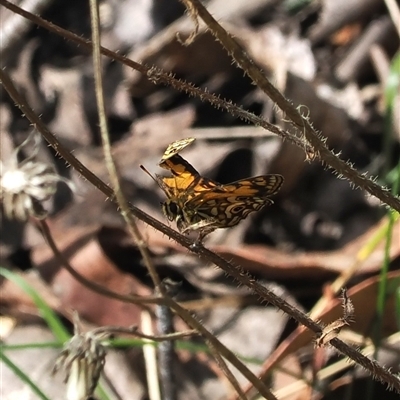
(393, 82)
(51, 318)
(21, 375)
(397, 306)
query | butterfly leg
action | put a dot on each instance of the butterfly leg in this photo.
(202, 234)
(198, 241)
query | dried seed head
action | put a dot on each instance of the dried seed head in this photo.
(82, 359)
(25, 186)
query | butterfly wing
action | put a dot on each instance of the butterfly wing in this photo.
(175, 148)
(228, 204)
(198, 203)
(185, 178)
(179, 167)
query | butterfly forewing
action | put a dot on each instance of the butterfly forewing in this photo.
(175, 148)
(186, 181)
(183, 173)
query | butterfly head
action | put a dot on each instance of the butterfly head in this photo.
(173, 212)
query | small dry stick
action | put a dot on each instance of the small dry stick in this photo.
(183, 313)
(333, 329)
(318, 146)
(377, 371)
(112, 170)
(318, 143)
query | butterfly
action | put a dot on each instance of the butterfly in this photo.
(201, 204)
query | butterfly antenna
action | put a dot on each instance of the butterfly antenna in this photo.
(149, 173)
(157, 180)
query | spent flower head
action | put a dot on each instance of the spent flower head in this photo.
(24, 186)
(82, 359)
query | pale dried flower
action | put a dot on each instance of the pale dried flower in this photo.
(82, 359)
(24, 186)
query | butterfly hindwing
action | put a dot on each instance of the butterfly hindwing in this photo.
(229, 204)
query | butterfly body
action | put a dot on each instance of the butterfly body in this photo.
(199, 203)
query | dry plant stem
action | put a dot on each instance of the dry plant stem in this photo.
(159, 77)
(155, 371)
(221, 349)
(166, 353)
(394, 12)
(184, 314)
(112, 170)
(222, 364)
(318, 143)
(89, 284)
(150, 359)
(155, 338)
(132, 330)
(317, 148)
(236, 272)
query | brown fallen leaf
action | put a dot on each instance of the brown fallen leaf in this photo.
(91, 262)
(277, 264)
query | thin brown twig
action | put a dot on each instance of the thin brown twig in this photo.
(313, 144)
(318, 143)
(112, 170)
(133, 330)
(157, 76)
(166, 300)
(224, 367)
(236, 272)
(152, 362)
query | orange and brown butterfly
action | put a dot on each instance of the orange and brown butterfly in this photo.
(199, 203)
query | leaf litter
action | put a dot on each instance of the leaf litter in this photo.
(316, 230)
